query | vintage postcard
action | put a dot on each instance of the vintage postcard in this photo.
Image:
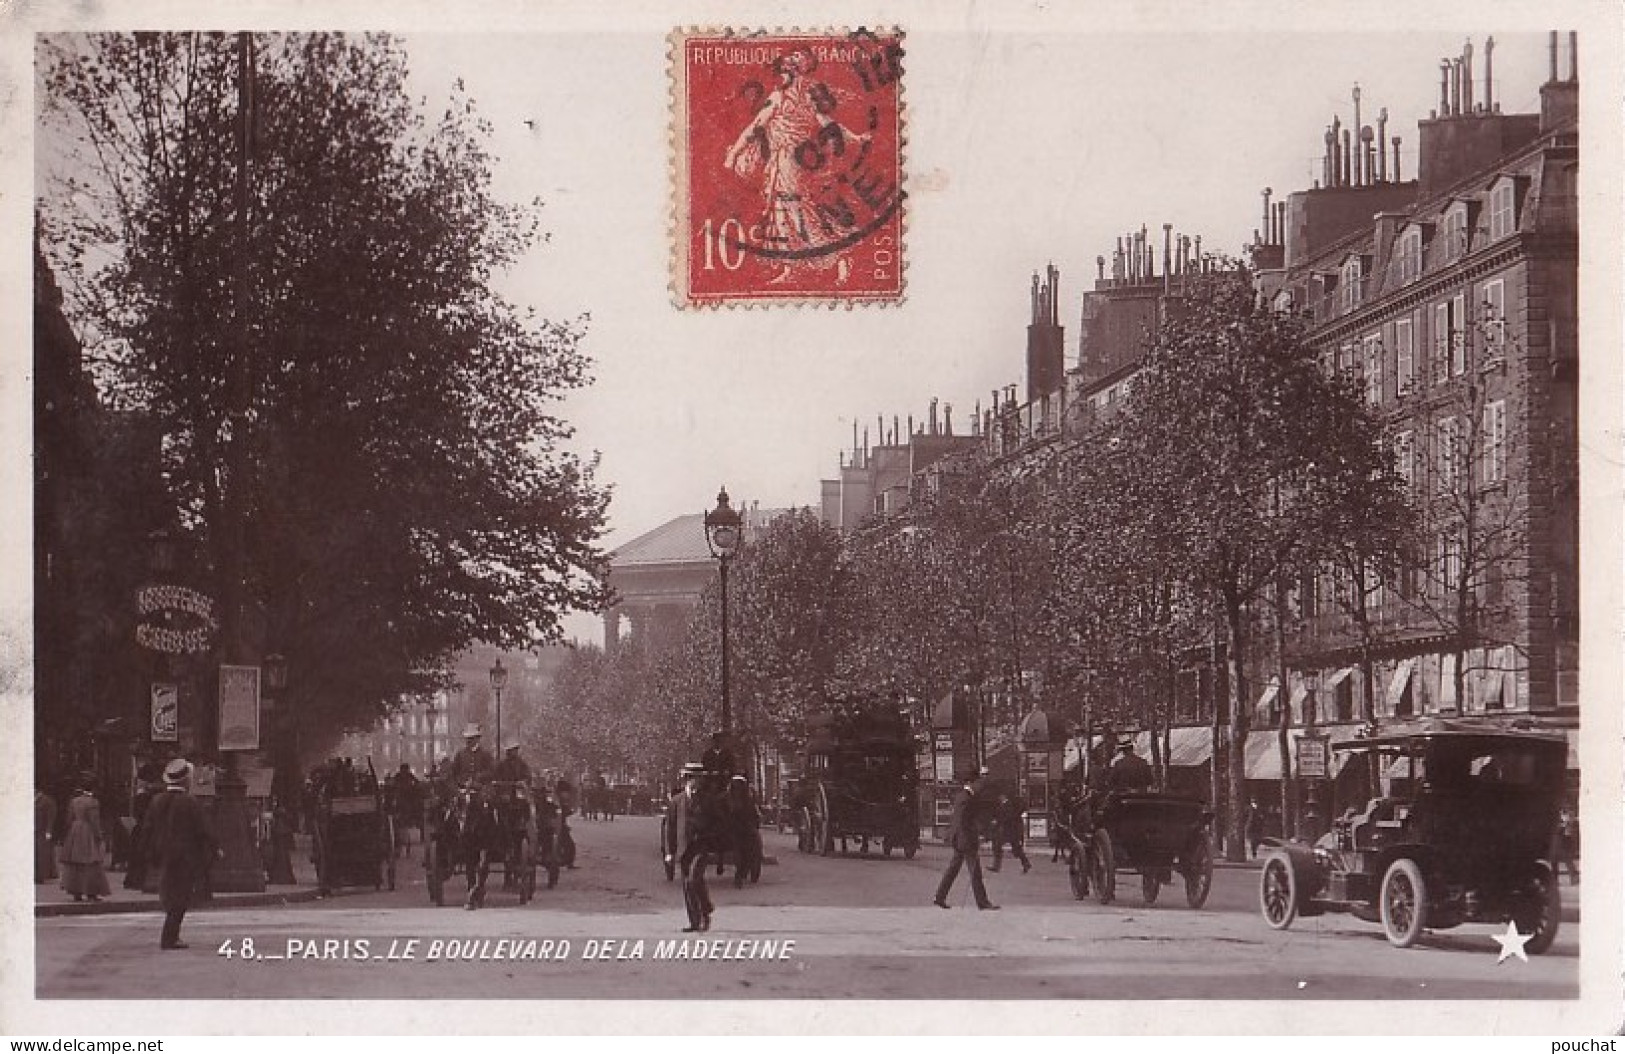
(804, 201)
(462, 578)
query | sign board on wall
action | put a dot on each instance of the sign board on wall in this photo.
(166, 713)
(1312, 752)
(239, 707)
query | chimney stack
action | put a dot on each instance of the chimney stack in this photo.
(1397, 177)
(1489, 68)
(1553, 78)
(1444, 86)
(1467, 76)
(1382, 137)
(1359, 157)
(1574, 56)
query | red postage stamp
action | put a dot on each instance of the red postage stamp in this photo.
(789, 167)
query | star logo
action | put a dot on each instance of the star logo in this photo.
(1512, 943)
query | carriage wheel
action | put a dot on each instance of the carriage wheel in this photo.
(1103, 868)
(1278, 892)
(1150, 886)
(1077, 872)
(432, 851)
(804, 831)
(1541, 919)
(1404, 903)
(390, 851)
(527, 869)
(318, 856)
(1198, 872)
(826, 835)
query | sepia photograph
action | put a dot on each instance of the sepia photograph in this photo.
(823, 518)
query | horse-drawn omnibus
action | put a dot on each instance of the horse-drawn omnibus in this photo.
(859, 781)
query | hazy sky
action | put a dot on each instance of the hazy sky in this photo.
(1024, 148)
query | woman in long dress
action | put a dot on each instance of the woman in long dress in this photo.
(84, 846)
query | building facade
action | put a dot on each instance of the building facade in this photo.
(1454, 304)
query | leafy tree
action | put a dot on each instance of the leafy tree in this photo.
(359, 431)
(1243, 438)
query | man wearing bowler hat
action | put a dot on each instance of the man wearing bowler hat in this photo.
(471, 764)
(689, 834)
(179, 847)
(1130, 772)
(964, 835)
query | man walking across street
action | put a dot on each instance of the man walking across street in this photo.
(963, 836)
(179, 846)
(687, 841)
(1007, 830)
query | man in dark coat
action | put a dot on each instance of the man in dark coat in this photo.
(963, 834)
(690, 834)
(1008, 829)
(1130, 772)
(718, 759)
(179, 846)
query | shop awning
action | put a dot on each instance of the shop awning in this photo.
(1295, 702)
(1190, 746)
(1264, 752)
(1397, 686)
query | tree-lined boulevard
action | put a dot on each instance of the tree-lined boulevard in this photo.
(863, 928)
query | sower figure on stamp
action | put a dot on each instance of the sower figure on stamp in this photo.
(963, 834)
(180, 848)
(796, 116)
(689, 836)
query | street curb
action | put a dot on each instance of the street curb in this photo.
(132, 907)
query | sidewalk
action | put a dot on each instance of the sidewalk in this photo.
(50, 900)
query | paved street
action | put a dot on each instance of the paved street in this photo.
(862, 928)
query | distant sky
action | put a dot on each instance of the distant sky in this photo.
(1024, 148)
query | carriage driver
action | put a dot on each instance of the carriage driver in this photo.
(471, 764)
(512, 767)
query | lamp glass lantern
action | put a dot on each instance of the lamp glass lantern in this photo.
(723, 528)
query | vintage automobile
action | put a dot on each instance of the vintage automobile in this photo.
(1461, 831)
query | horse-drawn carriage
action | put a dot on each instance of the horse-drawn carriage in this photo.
(1156, 835)
(352, 834)
(859, 782)
(730, 828)
(473, 829)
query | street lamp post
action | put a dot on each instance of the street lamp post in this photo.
(280, 862)
(499, 681)
(723, 535)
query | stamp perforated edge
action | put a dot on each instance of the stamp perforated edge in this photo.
(677, 170)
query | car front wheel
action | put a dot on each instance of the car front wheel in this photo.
(1404, 903)
(1278, 892)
